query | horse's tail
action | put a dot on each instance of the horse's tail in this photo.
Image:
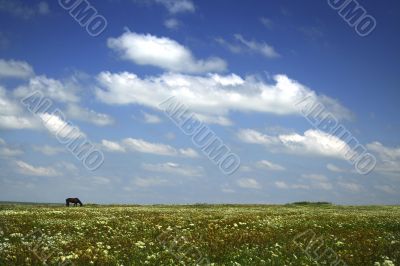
(80, 203)
(67, 202)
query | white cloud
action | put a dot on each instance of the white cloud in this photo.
(255, 137)
(19, 9)
(284, 185)
(281, 184)
(87, 115)
(261, 48)
(150, 118)
(67, 166)
(177, 6)
(350, 186)
(314, 185)
(172, 23)
(386, 188)
(210, 119)
(242, 45)
(227, 189)
(112, 146)
(248, 183)
(313, 142)
(7, 151)
(148, 181)
(213, 96)
(174, 168)
(51, 88)
(15, 69)
(385, 153)
(189, 152)
(234, 48)
(48, 150)
(389, 158)
(28, 169)
(316, 181)
(57, 126)
(12, 116)
(322, 185)
(16, 122)
(334, 168)
(140, 145)
(267, 22)
(100, 180)
(269, 165)
(147, 49)
(315, 177)
(43, 8)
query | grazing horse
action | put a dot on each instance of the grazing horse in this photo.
(75, 201)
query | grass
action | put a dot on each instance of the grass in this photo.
(295, 234)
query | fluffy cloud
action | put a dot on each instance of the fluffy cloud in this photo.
(269, 165)
(174, 168)
(313, 185)
(51, 88)
(334, 168)
(172, 23)
(284, 185)
(315, 177)
(212, 96)
(150, 118)
(101, 180)
(385, 153)
(386, 188)
(177, 6)
(313, 142)
(15, 69)
(242, 45)
(248, 183)
(189, 152)
(268, 23)
(87, 115)
(12, 115)
(389, 158)
(57, 126)
(352, 187)
(7, 151)
(148, 181)
(261, 48)
(48, 150)
(140, 145)
(112, 146)
(146, 49)
(27, 169)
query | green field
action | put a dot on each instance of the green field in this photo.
(199, 234)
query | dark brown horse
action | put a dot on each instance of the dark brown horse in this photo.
(75, 201)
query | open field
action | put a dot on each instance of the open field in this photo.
(215, 234)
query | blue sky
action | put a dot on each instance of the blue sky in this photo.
(238, 67)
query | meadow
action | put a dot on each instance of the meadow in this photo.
(295, 234)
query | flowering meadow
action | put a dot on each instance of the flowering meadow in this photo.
(199, 235)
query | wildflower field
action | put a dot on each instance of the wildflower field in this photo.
(199, 234)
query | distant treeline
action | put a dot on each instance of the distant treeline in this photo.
(310, 203)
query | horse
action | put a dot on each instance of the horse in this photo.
(75, 201)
